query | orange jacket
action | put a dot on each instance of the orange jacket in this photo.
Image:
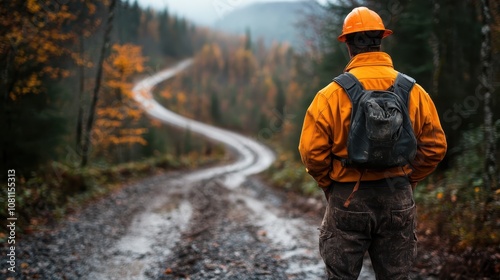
(326, 126)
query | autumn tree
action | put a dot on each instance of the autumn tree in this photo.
(118, 115)
(233, 86)
(243, 64)
(95, 95)
(87, 23)
(32, 48)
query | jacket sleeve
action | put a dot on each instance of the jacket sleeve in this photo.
(315, 141)
(431, 140)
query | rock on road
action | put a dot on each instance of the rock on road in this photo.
(214, 223)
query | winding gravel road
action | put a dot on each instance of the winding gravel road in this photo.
(214, 223)
(253, 156)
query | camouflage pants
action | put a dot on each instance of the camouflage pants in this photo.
(380, 220)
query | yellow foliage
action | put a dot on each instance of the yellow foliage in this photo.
(129, 140)
(36, 36)
(244, 64)
(133, 131)
(54, 72)
(439, 195)
(155, 123)
(33, 81)
(107, 124)
(210, 58)
(117, 114)
(91, 7)
(134, 114)
(32, 84)
(181, 98)
(33, 6)
(166, 94)
(110, 113)
(127, 60)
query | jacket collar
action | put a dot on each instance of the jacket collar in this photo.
(369, 59)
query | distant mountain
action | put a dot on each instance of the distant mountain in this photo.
(275, 21)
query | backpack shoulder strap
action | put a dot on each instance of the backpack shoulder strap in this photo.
(354, 90)
(351, 85)
(403, 86)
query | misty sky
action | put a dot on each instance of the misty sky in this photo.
(204, 12)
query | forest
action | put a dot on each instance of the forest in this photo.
(73, 133)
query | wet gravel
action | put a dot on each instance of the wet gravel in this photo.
(79, 245)
(165, 228)
(228, 239)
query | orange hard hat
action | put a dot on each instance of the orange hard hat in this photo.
(362, 19)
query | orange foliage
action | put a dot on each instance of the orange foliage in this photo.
(210, 58)
(181, 98)
(166, 93)
(240, 87)
(244, 64)
(118, 114)
(35, 37)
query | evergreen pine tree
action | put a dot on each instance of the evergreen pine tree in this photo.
(248, 39)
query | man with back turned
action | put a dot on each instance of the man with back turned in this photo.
(369, 183)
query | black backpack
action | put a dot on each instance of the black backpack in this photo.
(381, 135)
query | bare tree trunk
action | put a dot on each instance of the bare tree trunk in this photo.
(490, 164)
(6, 84)
(95, 98)
(436, 55)
(79, 122)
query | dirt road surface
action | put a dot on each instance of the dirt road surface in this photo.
(217, 223)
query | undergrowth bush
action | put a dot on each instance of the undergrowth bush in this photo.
(457, 205)
(290, 174)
